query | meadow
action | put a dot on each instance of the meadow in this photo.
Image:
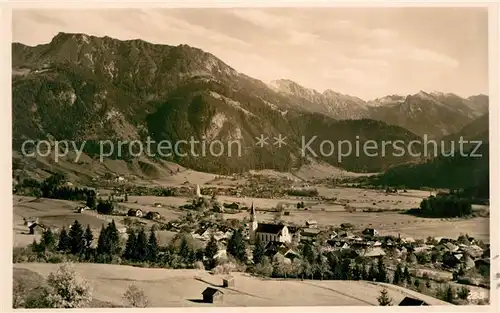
(183, 288)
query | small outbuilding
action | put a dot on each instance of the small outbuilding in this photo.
(135, 212)
(370, 232)
(82, 209)
(228, 282)
(212, 295)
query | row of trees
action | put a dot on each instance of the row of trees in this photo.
(78, 242)
(445, 206)
(52, 187)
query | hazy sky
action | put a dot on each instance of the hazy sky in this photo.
(358, 51)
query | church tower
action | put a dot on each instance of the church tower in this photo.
(253, 224)
(198, 191)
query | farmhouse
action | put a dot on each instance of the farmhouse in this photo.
(370, 232)
(135, 212)
(374, 253)
(36, 227)
(28, 221)
(309, 234)
(311, 223)
(83, 208)
(153, 215)
(212, 295)
(274, 247)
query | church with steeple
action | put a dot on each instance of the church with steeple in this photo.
(267, 232)
(253, 224)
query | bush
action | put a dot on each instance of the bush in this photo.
(199, 265)
(63, 289)
(105, 207)
(463, 293)
(446, 294)
(264, 268)
(224, 269)
(135, 297)
(24, 254)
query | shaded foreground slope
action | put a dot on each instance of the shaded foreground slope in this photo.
(181, 288)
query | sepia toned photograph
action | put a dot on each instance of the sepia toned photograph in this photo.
(250, 157)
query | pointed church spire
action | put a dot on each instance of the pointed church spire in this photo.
(252, 213)
(198, 191)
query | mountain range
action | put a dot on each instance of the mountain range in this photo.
(86, 88)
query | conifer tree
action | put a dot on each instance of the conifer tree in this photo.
(308, 252)
(91, 202)
(372, 273)
(407, 275)
(141, 246)
(236, 246)
(48, 241)
(88, 238)
(130, 246)
(211, 250)
(152, 247)
(449, 294)
(383, 299)
(184, 250)
(398, 275)
(258, 252)
(102, 241)
(76, 238)
(64, 241)
(381, 271)
(356, 273)
(338, 272)
(113, 238)
(364, 272)
(346, 269)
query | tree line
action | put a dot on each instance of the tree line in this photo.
(52, 188)
(449, 205)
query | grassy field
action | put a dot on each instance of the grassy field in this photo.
(52, 213)
(183, 288)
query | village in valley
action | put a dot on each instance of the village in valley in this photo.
(267, 238)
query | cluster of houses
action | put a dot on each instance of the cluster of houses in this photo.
(152, 215)
(279, 239)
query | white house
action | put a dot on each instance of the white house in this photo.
(311, 223)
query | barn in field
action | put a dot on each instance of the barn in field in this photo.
(212, 295)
